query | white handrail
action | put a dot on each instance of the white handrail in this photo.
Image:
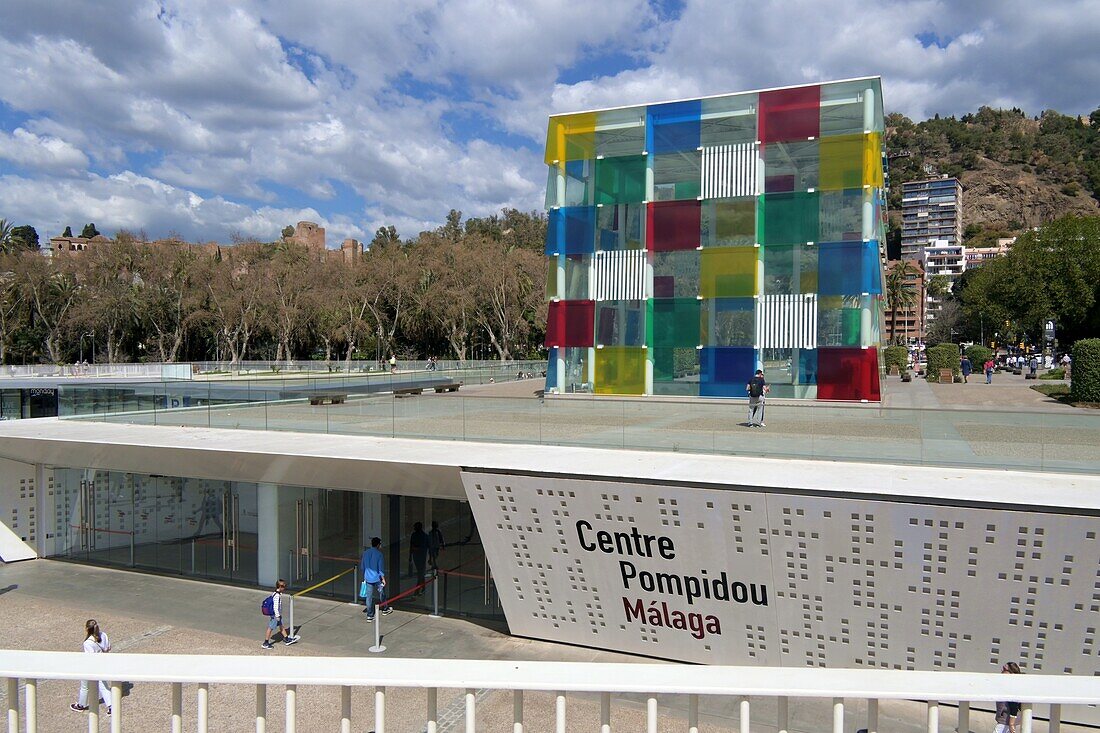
(556, 677)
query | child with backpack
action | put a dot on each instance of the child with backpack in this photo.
(272, 607)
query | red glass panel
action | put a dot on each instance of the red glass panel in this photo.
(571, 323)
(848, 374)
(790, 114)
(672, 225)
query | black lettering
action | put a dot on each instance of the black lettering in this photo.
(581, 526)
(668, 583)
(627, 571)
(740, 592)
(664, 545)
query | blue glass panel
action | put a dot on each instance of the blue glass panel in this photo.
(552, 369)
(807, 366)
(726, 371)
(848, 268)
(673, 127)
(572, 230)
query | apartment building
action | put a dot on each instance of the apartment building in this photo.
(931, 210)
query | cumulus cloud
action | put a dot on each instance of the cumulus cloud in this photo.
(207, 117)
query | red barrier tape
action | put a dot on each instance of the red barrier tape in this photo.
(410, 591)
(99, 529)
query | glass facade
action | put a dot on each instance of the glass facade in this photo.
(252, 533)
(762, 218)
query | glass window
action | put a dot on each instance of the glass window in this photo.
(726, 370)
(677, 176)
(619, 227)
(729, 322)
(578, 269)
(676, 371)
(676, 274)
(673, 225)
(620, 370)
(576, 370)
(790, 114)
(674, 322)
(838, 321)
(729, 222)
(729, 120)
(791, 166)
(728, 272)
(841, 216)
(848, 268)
(572, 230)
(620, 323)
(790, 218)
(842, 106)
(851, 161)
(673, 127)
(790, 269)
(621, 180)
(571, 137)
(620, 132)
(570, 323)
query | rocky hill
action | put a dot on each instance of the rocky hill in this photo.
(1016, 171)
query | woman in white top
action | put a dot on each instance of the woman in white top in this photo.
(95, 642)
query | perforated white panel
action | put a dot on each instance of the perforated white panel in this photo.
(848, 583)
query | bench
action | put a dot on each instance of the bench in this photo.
(947, 376)
(408, 391)
(449, 387)
(329, 397)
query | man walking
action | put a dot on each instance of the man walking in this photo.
(988, 367)
(966, 368)
(757, 389)
(272, 607)
(372, 566)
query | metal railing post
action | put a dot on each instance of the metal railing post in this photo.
(433, 711)
(435, 595)
(838, 715)
(202, 707)
(291, 708)
(559, 712)
(517, 711)
(744, 713)
(30, 705)
(355, 585)
(13, 703)
(1055, 725)
(651, 714)
(379, 710)
(783, 715)
(964, 717)
(345, 709)
(291, 598)
(933, 716)
(471, 711)
(93, 707)
(116, 707)
(605, 712)
(872, 716)
(1025, 717)
(693, 714)
(177, 707)
(261, 708)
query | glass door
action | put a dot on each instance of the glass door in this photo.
(223, 521)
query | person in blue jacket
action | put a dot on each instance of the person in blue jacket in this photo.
(372, 565)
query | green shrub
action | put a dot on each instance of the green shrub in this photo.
(1055, 373)
(1085, 371)
(978, 356)
(895, 356)
(941, 356)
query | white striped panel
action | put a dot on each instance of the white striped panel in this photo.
(619, 275)
(787, 322)
(729, 171)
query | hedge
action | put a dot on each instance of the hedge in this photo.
(941, 356)
(895, 356)
(1085, 371)
(978, 356)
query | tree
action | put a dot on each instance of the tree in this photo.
(109, 274)
(288, 232)
(5, 235)
(289, 281)
(24, 237)
(385, 235)
(68, 232)
(170, 297)
(235, 307)
(900, 292)
(89, 231)
(511, 294)
(13, 304)
(53, 290)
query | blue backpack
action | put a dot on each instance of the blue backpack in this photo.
(267, 607)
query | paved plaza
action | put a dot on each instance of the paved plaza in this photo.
(46, 602)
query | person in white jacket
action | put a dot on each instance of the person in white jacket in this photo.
(95, 642)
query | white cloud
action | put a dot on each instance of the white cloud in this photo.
(45, 153)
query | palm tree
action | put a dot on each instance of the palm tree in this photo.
(5, 235)
(900, 293)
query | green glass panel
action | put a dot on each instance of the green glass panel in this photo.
(673, 322)
(790, 218)
(620, 370)
(620, 180)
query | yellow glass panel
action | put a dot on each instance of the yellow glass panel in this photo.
(851, 161)
(620, 370)
(571, 137)
(728, 272)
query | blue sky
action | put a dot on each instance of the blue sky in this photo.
(208, 119)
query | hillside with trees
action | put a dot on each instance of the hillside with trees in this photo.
(1017, 171)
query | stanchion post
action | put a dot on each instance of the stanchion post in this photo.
(345, 709)
(435, 595)
(291, 613)
(377, 648)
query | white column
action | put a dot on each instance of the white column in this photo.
(868, 110)
(605, 712)
(744, 715)
(379, 708)
(783, 716)
(559, 712)
(651, 714)
(433, 711)
(291, 708)
(116, 707)
(202, 707)
(345, 709)
(261, 708)
(517, 711)
(268, 557)
(1025, 717)
(693, 713)
(41, 518)
(471, 711)
(30, 705)
(559, 187)
(933, 716)
(838, 715)
(13, 703)
(177, 707)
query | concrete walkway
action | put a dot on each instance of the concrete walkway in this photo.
(46, 602)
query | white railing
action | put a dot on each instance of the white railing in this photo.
(559, 678)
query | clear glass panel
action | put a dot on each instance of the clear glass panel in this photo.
(577, 378)
(841, 216)
(619, 227)
(620, 323)
(676, 371)
(676, 274)
(791, 166)
(729, 120)
(621, 132)
(729, 222)
(729, 322)
(577, 271)
(842, 107)
(677, 176)
(790, 269)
